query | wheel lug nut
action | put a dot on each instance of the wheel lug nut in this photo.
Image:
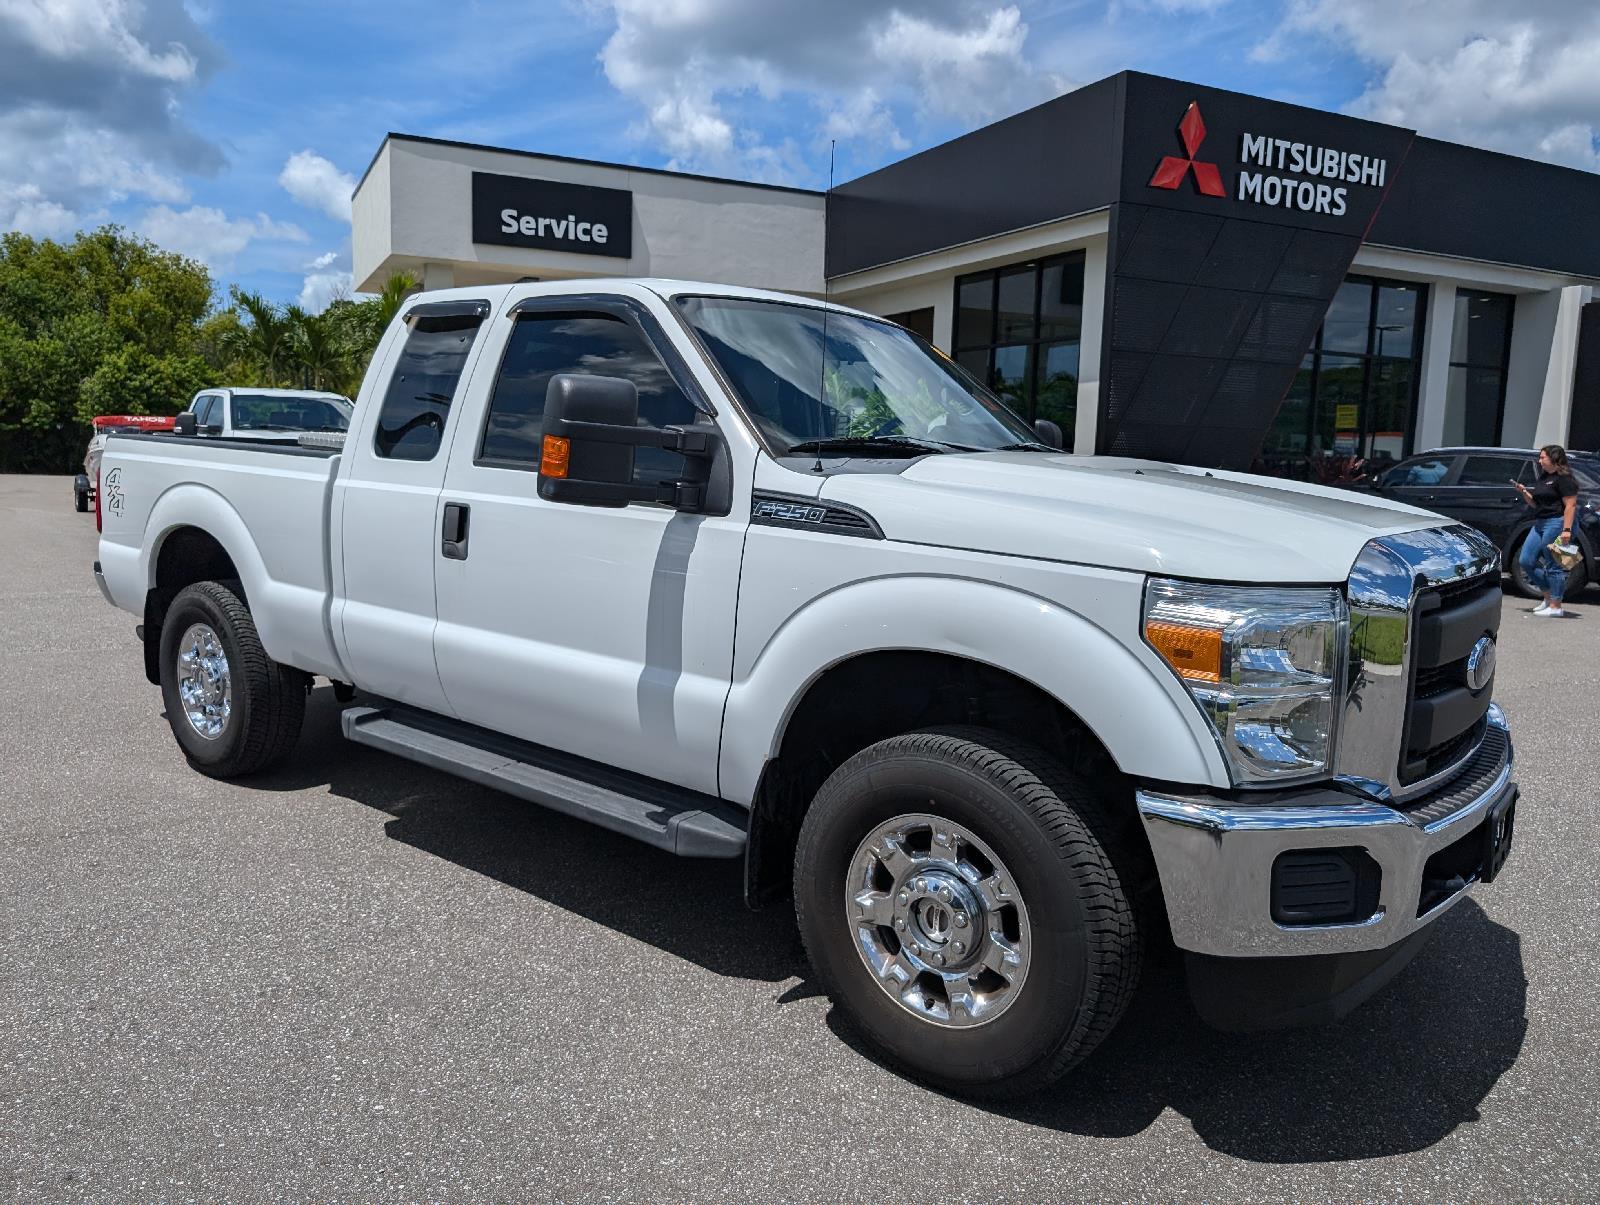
(944, 893)
(960, 948)
(903, 896)
(899, 922)
(938, 960)
(961, 920)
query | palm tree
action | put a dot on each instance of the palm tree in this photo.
(264, 341)
(393, 295)
(313, 345)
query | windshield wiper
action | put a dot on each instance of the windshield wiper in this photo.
(1028, 447)
(873, 443)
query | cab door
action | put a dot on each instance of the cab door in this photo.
(387, 503)
(1484, 496)
(602, 632)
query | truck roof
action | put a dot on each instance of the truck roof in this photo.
(662, 287)
(274, 392)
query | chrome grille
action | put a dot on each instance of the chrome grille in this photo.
(1404, 727)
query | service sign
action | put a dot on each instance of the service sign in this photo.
(516, 211)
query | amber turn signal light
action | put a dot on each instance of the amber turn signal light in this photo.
(1196, 653)
(554, 458)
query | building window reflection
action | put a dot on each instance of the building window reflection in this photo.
(1351, 410)
(1019, 330)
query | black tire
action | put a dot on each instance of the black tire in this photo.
(1068, 861)
(80, 500)
(268, 699)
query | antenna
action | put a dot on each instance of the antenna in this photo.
(822, 360)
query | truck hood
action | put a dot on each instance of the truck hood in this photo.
(1118, 513)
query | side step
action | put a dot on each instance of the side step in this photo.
(680, 821)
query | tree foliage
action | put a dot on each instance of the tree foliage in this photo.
(104, 324)
(112, 324)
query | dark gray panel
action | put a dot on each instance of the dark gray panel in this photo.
(1245, 255)
(1047, 163)
(1314, 263)
(1458, 200)
(1584, 431)
(1283, 328)
(1142, 312)
(1212, 327)
(1175, 389)
(1169, 245)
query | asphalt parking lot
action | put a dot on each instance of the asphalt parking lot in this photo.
(358, 978)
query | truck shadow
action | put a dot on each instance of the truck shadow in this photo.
(1398, 1075)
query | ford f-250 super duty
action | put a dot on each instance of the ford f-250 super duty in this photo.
(742, 575)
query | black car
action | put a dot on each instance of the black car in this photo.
(1473, 485)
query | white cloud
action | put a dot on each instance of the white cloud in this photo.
(317, 184)
(859, 67)
(90, 107)
(327, 279)
(210, 235)
(1521, 78)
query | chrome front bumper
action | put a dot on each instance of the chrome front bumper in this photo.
(1215, 859)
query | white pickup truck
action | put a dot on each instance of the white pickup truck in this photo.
(741, 575)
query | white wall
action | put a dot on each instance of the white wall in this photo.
(1544, 349)
(415, 208)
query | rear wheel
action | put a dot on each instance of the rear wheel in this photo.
(966, 903)
(80, 500)
(233, 710)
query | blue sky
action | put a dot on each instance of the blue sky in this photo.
(234, 131)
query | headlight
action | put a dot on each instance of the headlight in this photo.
(1263, 663)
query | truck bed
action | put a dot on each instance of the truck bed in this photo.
(268, 505)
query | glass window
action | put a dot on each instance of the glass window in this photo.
(417, 402)
(285, 412)
(1492, 470)
(203, 409)
(1426, 470)
(1018, 330)
(1395, 330)
(1388, 405)
(975, 311)
(1057, 391)
(1349, 317)
(543, 346)
(874, 380)
(1288, 440)
(1015, 312)
(1480, 346)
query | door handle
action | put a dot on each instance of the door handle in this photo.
(453, 540)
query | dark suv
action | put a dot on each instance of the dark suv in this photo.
(1474, 486)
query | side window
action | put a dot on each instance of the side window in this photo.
(1491, 470)
(417, 402)
(1429, 470)
(203, 407)
(543, 345)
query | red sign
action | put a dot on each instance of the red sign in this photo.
(1171, 171)
(142, 422)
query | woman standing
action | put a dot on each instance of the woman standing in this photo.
(1554, 498)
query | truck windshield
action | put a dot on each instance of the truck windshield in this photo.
(284, 412)
(870, 388)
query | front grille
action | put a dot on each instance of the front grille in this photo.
(1444, 716)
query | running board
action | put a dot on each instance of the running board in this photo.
(679, 821)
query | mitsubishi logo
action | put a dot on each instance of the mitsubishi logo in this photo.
(1171, 170)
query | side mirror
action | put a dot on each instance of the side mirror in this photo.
(1049, 433)
(184, 423)
(591, 428)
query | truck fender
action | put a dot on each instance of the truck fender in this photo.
(281, 611)
(1112, 682)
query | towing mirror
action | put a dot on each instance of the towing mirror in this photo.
(591, 428)
(183, 424)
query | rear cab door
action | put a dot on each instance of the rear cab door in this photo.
(1422, 480)
(605, 632)
(386, 498)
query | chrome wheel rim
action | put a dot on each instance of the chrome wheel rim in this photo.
(205, 683)
(938, 920)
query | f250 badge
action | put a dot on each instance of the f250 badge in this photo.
(112, 488)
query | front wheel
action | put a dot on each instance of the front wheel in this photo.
(966, 902)
(233, 710)
(80, 500)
